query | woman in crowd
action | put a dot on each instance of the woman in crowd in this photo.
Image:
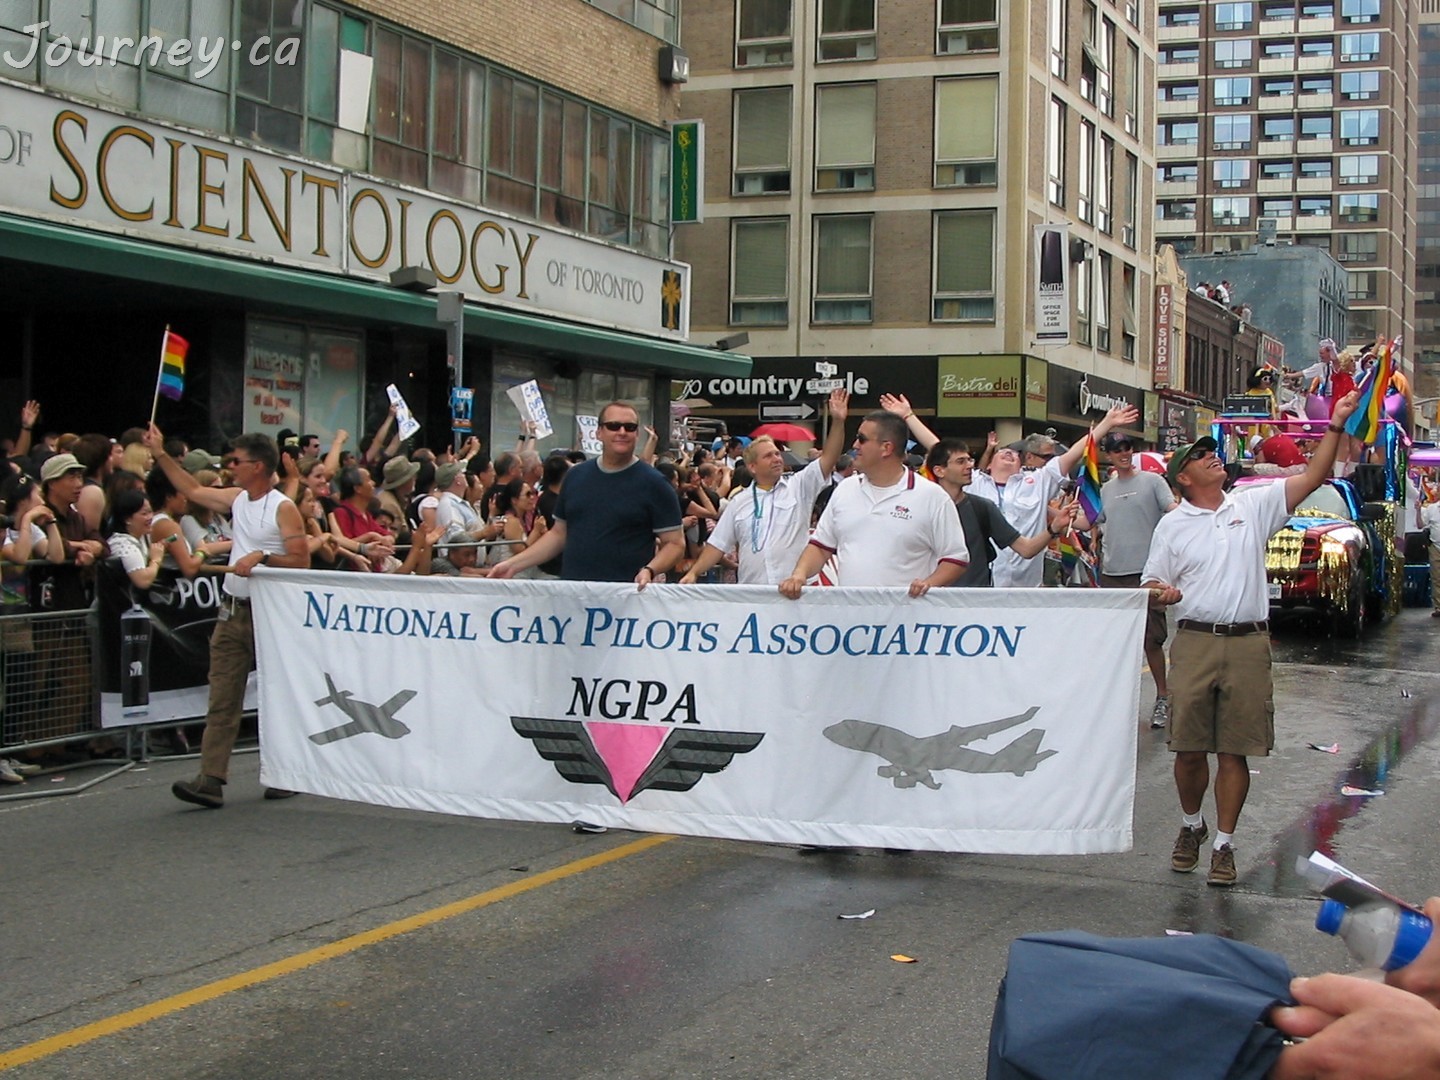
(165, 530)
(325, 553)
(130, 519)
(201, 525)
(34, 532)
(513, 503)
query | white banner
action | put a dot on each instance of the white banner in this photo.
(969, 720)
(1052, 284)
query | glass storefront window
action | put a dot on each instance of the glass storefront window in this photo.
(305, 379)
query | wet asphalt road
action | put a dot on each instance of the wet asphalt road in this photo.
(685, 958)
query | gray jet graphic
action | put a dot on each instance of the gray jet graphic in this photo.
(379, 719)
(912, 758)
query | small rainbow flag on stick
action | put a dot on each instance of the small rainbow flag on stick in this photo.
(171, 380)
(1364, 422)
(1087, 487)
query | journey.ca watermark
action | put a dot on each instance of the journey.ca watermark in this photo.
(205, 53)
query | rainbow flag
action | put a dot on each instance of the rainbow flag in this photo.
(172, 365)
(1364, 422)
(1088, 480)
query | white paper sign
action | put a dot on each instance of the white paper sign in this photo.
(531, 406)
(589, 434)
(965, 720)
(404, 419)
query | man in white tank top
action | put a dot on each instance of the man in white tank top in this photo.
(268, 531)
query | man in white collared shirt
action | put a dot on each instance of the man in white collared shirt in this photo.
(1208, 557)
(768, 522)
(887, 526)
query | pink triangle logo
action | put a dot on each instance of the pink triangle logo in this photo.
(626, 750)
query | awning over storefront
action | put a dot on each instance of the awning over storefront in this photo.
(284, 289)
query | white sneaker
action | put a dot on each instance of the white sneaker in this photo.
(1160, 715)
(9, 775)
(24, 768)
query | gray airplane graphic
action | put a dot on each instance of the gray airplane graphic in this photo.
(912, 758)
(379, 719)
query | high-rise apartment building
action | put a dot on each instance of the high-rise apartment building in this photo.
(1294, 121)
(270, 177)
(1427, 215)
(874, 175)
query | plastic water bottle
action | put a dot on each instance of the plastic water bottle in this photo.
(1378, 935)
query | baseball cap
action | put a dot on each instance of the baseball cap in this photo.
(196, 460)
(1281, 450)
(1115, 440)
(1181, 457)
(397, 471)
(445, 475)
(58, 466)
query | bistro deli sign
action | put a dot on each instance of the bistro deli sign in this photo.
(992, 387)
(97, 169)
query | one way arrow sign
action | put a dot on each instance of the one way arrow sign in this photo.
(770, 411)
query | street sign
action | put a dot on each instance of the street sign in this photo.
(824, 386)
(771, 411)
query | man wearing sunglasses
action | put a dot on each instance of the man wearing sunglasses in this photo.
(1208, 558)
(617, 519)
(267, 531)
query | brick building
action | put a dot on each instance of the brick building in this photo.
(874, 177)
(257, 173)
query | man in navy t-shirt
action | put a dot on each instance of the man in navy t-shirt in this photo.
(610, 514)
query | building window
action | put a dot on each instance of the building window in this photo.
(513, 162)
(843, 269)
(1180, 91)
(1233, 91)
(659, 18)
(847, 30)
(1179, 173)
(1130, 328)
(1233, 53)
(845, 137)
(1360, 207)
(763, 34)
(1316, 84)
(1358, 247)
(1359, 11)
(1316, 127)
(563, 132)
(1276, 208)
(1057, 18)
(1180, 54)
(964, 270)
(1055, 152)
(1232, 172)
(1317, 47)
(1105, 69)
(1317, 9)
(1360, 85)
(967, 26)
(1089, 54)
(1359, 127)
(1234, 16)
(1233, 132)
(1276, 170)
(1272, 12)
(759, 254)
(1279, 49)
(610, 166)
(1132, 12)
(1084, 281)
(1230, 211)
(1102, 304)
(270, 98)
(1105, 187)
(1359, 48)
(1364, 284)
(1132, 199)
(1179, 16)
(1085, 173)
(1359, 168)
(1132, 89)
(966, 153)
(1314, 168)
(1283, 86)
(1175, 209)
(1315, 206)
(762, 141)
(1277, 128)
(1180, 133)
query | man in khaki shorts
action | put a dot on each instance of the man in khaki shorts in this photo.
(1208, 557)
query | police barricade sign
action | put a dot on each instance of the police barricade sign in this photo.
(166, 678)
(981, 720)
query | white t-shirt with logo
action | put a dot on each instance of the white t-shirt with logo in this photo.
(890, 535)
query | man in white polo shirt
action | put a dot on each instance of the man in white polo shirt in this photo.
(768, 521)
(886, 525)
(1208, 556)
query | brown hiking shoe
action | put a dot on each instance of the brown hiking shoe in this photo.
(203, 791)
(1186, 855)
(1222, 867)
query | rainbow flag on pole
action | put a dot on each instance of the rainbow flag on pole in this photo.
(1088, 480)
(1364, 422)
(172, 365)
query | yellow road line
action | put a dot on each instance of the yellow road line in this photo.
(210, 991)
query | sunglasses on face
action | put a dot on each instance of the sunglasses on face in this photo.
(863, 439)
(620, 425)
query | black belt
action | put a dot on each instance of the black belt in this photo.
(1223, 629)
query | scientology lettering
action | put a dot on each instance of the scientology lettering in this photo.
(967, 720)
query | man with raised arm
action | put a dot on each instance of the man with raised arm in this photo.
(267, 531)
